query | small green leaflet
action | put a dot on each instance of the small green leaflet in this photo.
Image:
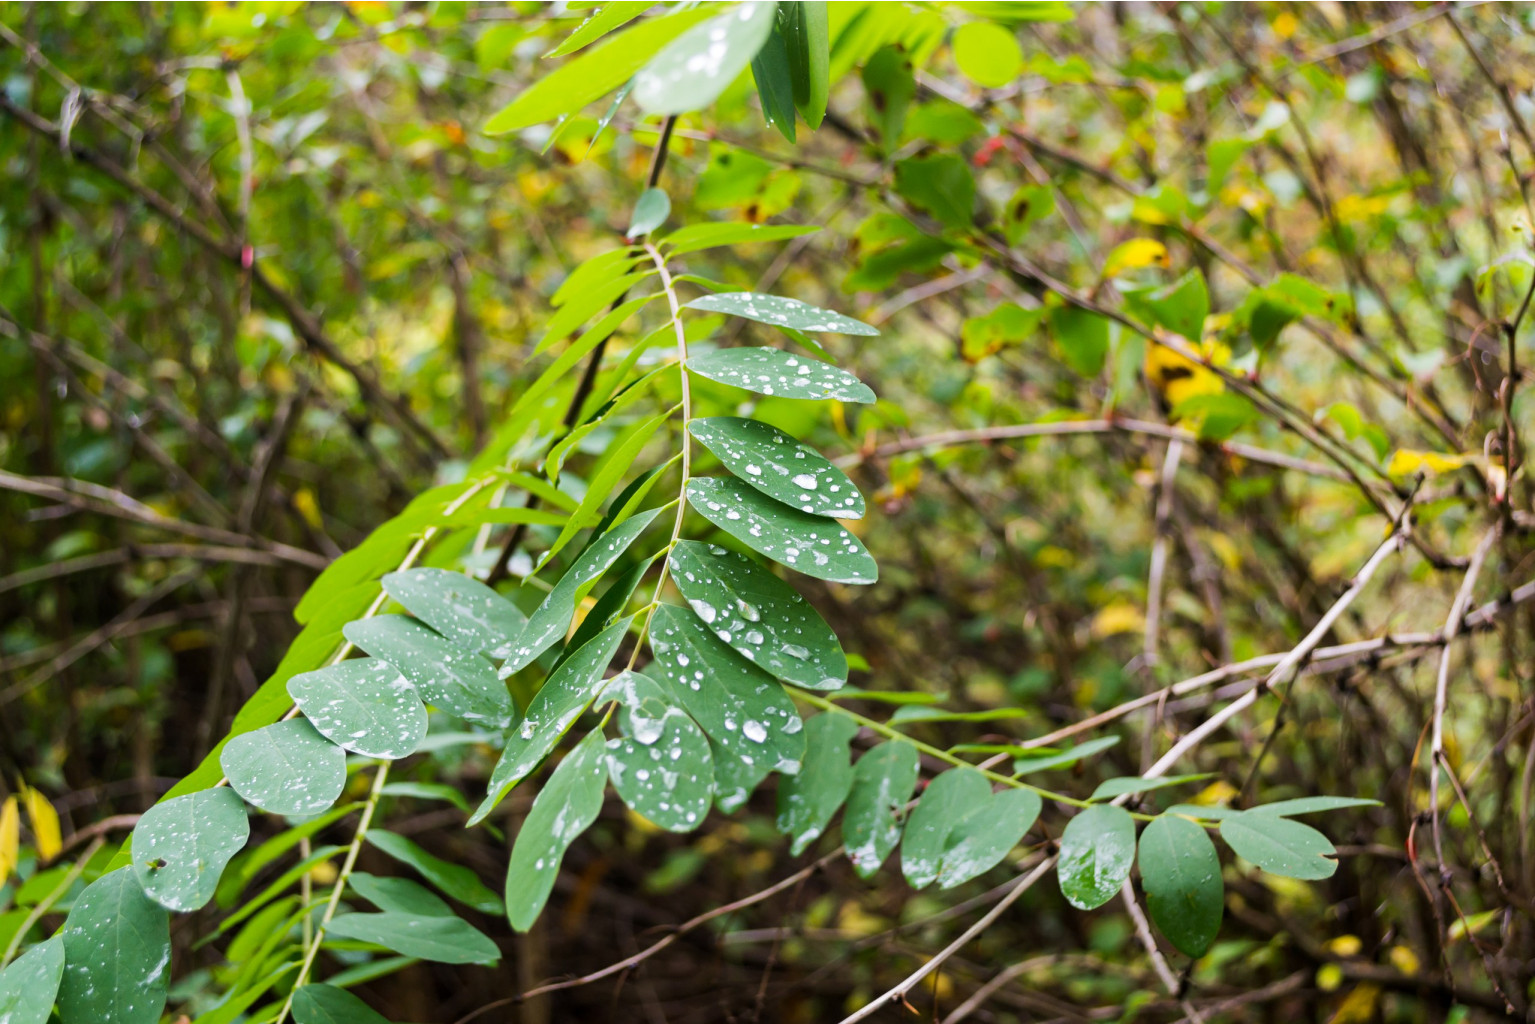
(650, 212)
(1110, 788)
(287, 768)
(883, 780)
(781, 312)
(807, 801)
(986, 835)
(1280, 846)
(180, 847)
(566, 807)
(1313, 804)
(455, 880)
(398, 894)
(1097, 849)
(946, 801)
(813, 545)
(446, 940)
(779, 466)
(758, 615)
(30, 984)
(1071, 755)
(327, 1004)
(117, 954)
(771, 371)
(364, 706)
(567, 693)
(695, 237)
(449, 677)
(1181, 874)
(664, 771)
(461, 608)
(691, 72)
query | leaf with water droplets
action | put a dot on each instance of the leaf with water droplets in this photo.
(813, 545)
(1280, 846)
(692, 70)
(461, 608)
(326, 1004)
(364, 706)
(665, 773)
(398, 894)
(445, 940)
(117, 955)
(567, 693)
(946, 801)
(781, 312)
(286, 768)
(779, 466)
(447, 676)
(986, 835)
(566, 807)
(742, 708)
(1181, 874)
(1097, 849)
(30, 984)
(771, 371)
(883, 780)
(180, 847)
(759, 615)
(455, 880)
(807, 801)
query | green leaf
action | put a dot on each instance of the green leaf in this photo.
(940, 185)
(987, 54)
(565, 695)
(592, 75)
(1181, 874)
(608, 17)
(663, 769)
(287, 768)
(566, 807)
(771, 371)
(946, 801)
(600, 298)
(987, 834)
(1313, 804)
(398, 894)
(804, 28)
(696, 237)
(1043, 761)
(1029, 205)
(779, 466)
(775, 88)
(883, 780)
(1083, 338)
(444, 940)
(742, 708)
(117, 954)
(781, 312)
(890, 85)
(1280, 846)
(1180, 307)
(1110, 788)
(810, 544)
(180, 847)
(363, 705)
(692, 70)
(447, 676)
(461, 608)
(1097, 849)
(326, 1004)
(453, 880)
(1218, 416)
(650, 212)
(430, 790)
(759, 615)
(1004, 326)
(807, 801)
(1208, 812)
(30, 984)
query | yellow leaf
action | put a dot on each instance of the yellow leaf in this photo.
(1285, 25)
(1216, 794)
(1329, 977)
(45, 823)
(1405, 462)
(1119, 617)
(10, 837)
(1136, 254)
(1178, 377)
(1346, 945)
(1403, 959)
(1358, 1006)
(324, 873)
(1472, 923)
(305, 504)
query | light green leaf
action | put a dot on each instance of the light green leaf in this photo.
(941, 186)
(180, 847)
(1280, 846)
(1181, 874)
(806, 38)
(810, 544)
(650, 212)
(461, 608)
(987, 54)
(759, 615)
(453, 880)
(696, 237)
(363, 705)
(452, 678)
(663, 769)
(398, 894)
(445, 940)
(117, 955)
(1043, 761)
(326, 1004)
(807, 801)
(566, 807)
(771, 371)
(613, 464)
(430, 790)
(883, 780)
(697, 66)
(777, 311)
(1097, 850)
(946, 801)
(1110, 788)
(286, 768)
(608, 17)
(1083, 338)
(30, 984)
(1313, 804)
(987, 834)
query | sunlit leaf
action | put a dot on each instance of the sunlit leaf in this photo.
(693, 69)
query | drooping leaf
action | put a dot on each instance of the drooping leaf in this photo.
(363, 705)
(286, 768)
(1181, 874)
(454, 880)
(1280, 846)
(987, 54)
(315, 1003)
(883, 780)
(807, 801)
(1097, 850)
(771, 371)
(30, 984)
(810, 544)
(445, 940)
(986, 835)
(1110, 788)
(664, 771)
(650, 212)
(398, 894)
(447, 676)
(779, 466)
(806, 39)
(460, 607)
(693, 69)
(117, 955)
(946, 801)
(777, 311)
(775, 87)
(568, 804)
(759, 615)
(1313, 804)
(180, 847)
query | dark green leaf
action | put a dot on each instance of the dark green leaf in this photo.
(1083, 338)
(807, 801)
(987, 834)
(117, 955)
(398, 894)
(452, 678)
(804, 28)
(807, 543)
(287, 768)
(941, 186)
(771, 371)
(461, 608)
(1182, 878)
(363, 705)
(770, 70)
(883, 780)
(1280, 846)
(567, 806)
(663, 769)
(1097, 850)
(180, 847)
(326, 1004)
(946, 801)
(30, 984)
(890, 85)
(454, 880)
(445, 940)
